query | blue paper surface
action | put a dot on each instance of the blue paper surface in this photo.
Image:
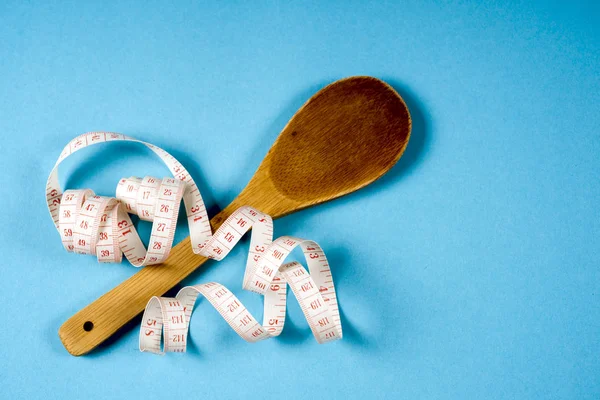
(469, 271)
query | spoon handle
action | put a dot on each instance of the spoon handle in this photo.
(101, 319)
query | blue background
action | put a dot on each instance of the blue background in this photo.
(469, 271)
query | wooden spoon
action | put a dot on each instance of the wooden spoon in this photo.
(346, 136)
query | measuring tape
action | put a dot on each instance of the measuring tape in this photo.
(91, 224)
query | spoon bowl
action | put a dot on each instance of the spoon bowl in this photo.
(346, 136)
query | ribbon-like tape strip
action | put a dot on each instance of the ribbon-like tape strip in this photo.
(90, 224)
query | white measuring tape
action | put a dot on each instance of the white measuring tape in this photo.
(90, 224)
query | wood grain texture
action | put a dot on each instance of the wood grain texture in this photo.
(346, 136)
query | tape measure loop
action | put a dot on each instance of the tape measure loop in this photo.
(267, 275)
(91, 224)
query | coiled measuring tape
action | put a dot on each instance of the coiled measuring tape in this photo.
(91, 224)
